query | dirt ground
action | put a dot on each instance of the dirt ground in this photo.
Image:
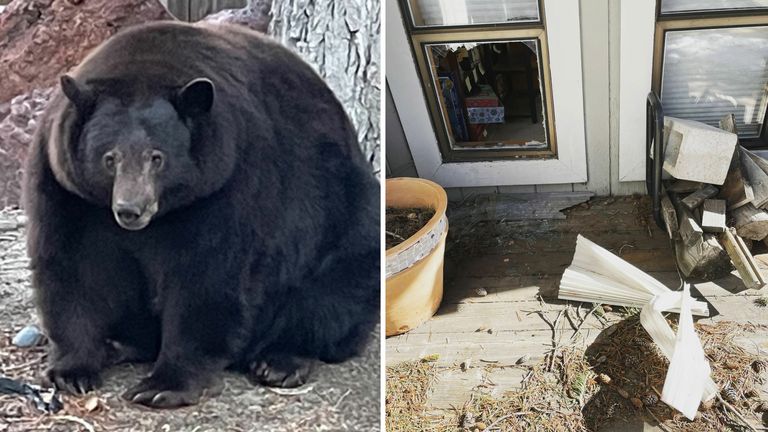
(343, 397)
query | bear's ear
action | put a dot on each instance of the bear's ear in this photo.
(80, 95)
(195, 98)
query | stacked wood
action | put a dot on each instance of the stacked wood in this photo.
(709, 233)
(699, 254)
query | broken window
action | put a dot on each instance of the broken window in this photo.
(487, 87)
(490, 93)
(711, 59)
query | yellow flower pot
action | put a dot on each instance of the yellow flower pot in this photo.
(415, 266)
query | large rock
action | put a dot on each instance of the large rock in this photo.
(42, 39)
(254, 16)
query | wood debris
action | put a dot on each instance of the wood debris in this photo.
(699, 225)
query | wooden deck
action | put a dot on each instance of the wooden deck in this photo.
(519, 264)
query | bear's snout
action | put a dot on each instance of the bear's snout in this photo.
(133, 216)
(127, 213)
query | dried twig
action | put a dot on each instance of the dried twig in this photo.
(290, 392)
(338, 402)
(584, 320)
(502, 418)
(735, 412)
(554, 335)
(658, 422)
(391, 234)
(24, 365)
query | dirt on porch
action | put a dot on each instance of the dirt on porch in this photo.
(473, 365)
(338, 397)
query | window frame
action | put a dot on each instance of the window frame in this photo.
(436, 104)
(565, 47)
(420, 37)
(705, 20)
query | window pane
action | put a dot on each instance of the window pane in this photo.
(713, 72)
(469, 12)
(676, 6)
(490, 94)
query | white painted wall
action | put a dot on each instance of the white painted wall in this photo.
(600, 46)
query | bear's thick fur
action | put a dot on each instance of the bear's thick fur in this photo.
(197, 197)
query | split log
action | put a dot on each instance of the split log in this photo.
(690, 231)
(750, 222)
(699, 255)
(756, 177)
(742, 259)
(697, 198)
(713, 216)
(736, 189)
(683, 186)
(669, 215)
(760, 162)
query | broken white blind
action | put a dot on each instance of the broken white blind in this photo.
(677, 6)
(713, 72)
(472, 12)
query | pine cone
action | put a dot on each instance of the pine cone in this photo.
(650, 399)
(729, 393)
(759, 366)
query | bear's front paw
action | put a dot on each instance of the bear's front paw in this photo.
(280, 370)
(73, 380)
(156, 393)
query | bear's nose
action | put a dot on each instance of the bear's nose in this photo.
(127, 213)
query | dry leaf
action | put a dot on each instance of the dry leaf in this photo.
(92, 404)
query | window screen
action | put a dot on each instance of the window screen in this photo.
(472, 12)
(712, 72)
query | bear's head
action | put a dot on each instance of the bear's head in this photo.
(134, 148)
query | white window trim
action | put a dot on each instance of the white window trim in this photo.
(567, 92)
(638, 23)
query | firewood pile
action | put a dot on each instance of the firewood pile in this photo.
(714, 205)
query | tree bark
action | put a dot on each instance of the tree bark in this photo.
(340, 39)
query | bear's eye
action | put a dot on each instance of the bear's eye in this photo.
(157, 160)
(109, 161)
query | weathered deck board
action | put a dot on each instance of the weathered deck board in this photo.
(522, 267)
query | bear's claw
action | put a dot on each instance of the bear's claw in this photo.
(73, 381)
(281, 371)
(154, 393)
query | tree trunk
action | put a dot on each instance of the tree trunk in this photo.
(341, 40)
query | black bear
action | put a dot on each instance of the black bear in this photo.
(197, 198)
